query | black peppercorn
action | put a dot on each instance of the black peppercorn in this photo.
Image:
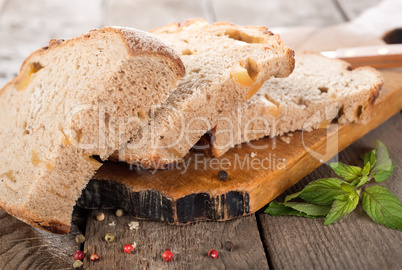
(222, 175)
(229, 246)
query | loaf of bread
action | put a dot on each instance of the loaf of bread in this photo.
(225, 65)
(71, 101)
(318, 91)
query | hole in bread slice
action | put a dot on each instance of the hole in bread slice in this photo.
(273, 106)
(323, 89)
(252, 68)
(340, 113)
(97, 158)
(245, 74)
(25, 128)
(241, 36)
(359, 111)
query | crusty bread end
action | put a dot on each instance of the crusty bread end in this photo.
(73, 100)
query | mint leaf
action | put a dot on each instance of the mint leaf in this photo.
(364, 178)
(381, 153)
(348, 188)
(383, 207)
(361, 181)
(343, 205)
(381, 176)
(369, 157)
(292, 196)
(384, 166)
(349, 173)
(335, 198)
(309, 208)
(279, 209)
(322, 191)
(366, 169)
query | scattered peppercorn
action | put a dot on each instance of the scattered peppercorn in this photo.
(80, 239)
(79, 255)
(229, 246)
(94, 257)
(100, 216)
(119, 213)
(213, 254)
(78, 264)
(167, 255)
(222, 175)
(109, 237)
(128, 248)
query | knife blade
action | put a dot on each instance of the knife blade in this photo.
(383, 56)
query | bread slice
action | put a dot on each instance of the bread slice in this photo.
(73, 100)
(319, 90)
(225, 65)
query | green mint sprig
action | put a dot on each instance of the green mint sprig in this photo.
(333, 198)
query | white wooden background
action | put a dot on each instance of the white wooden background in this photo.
(26, 25)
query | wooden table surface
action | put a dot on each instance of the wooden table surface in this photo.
(260, 241)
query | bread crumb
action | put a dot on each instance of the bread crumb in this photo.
(285, 139)
(253, 154)
(112, 223)
(133, 225)
(134, 245)
(290, 134)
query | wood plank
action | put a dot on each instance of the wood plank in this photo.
(189, 244)
(278, 13)
(25, 27)
(149, 14)
(354, 242)
(193, 192)
(2, 5)
(354, 9)
(25, 247)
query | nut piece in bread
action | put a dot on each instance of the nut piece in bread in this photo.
(226, 64)
(71, 101)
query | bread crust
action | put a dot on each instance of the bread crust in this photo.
(375, 92)
(137, 43)
(22, 214)
(133, 40)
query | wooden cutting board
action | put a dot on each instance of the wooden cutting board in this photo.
(195, 193)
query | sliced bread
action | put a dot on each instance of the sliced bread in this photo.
(319, 90)
(73, 100)
(225, 65)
